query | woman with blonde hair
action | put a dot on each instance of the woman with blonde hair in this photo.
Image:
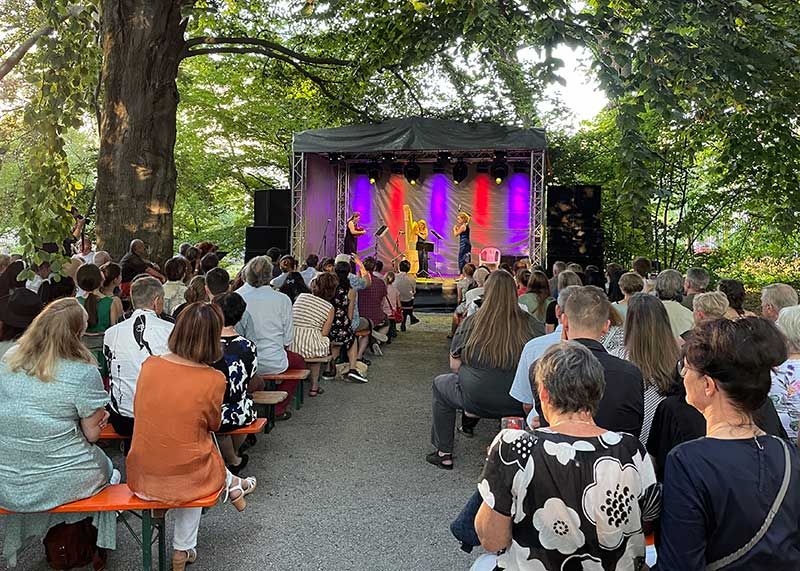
(195, 292)
(420, 232)
(52, 408)
(461, 229)
(483, 360)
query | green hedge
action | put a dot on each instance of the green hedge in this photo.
(757, 273)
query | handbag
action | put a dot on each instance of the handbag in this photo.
(397, 312)
(72, 545)
(773, 511)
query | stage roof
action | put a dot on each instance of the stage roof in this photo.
(418, 134)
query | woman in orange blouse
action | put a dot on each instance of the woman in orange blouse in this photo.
(178, 405)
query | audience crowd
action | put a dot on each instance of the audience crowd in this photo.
(632, 403)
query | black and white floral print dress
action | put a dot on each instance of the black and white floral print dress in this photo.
(239, 363)
(575, 503)
(341, 332)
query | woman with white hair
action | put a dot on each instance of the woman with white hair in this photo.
(785, 389)
(669, 289)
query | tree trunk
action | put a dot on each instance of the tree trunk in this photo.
(136, 175)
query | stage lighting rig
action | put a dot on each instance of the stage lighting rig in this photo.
(499, 168)
(411, 172)
(374, 172)
(460, 171)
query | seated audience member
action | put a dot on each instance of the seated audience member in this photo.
(183, 248)
(134, 263)
(239, 363)
(521, 278)
(192, 262)
(310, 270)
(174, 289)
(378, 273)
(728, 499)
(669, 289)
(208, 263)
(194, 293)
(85, 251)
(709, 306)
(274, 255)
(101, 258)
(182, 463)
(586, 320)
(5, 261)
(506, 267)
(613, 340)
(326, 266)
(774, 298)
(560, 498)
(17, 313)
(406, 284)
(41, 274)
(112, 277)
(483, 359)
(594, 277)
(313, 315)
(535, 348)
(575, 268)
(537, 295)
(466, 282)
(287, 265)
(565, 279)
(8, 282)
(391, 306)
(52, 409)
(53, 289)
(734, 291)
(370, 307)
(613, 273)
(129, 343)
(649, 345)
(218, 281)
(629, 283)
(472, 298)
(341, 334)
(103, 311)
(785, 391)
(644, 267)
(558, 267)
(696, 282)
(269, 327)
(294, 285)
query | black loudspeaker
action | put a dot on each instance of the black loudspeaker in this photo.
(574, 228)
(259, 239)
(272, 207)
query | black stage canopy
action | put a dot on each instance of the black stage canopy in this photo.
(418, 134)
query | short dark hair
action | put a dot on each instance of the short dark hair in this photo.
(378, 266)
(327, 262)
(588, 307)
(175, 268)
(642, 266)
(312, 261)
(468, 269)
(369, 264)
(324, 286)
(233, 307)
(274, 254)
(734, 291)
(405, 266)
(342, 271)
(209, 262)
(196, 335)
(218, 281)
(739, 355)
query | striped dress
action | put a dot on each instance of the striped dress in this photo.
(309, 314)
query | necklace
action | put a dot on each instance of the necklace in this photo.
(731, 428)
(572, 420)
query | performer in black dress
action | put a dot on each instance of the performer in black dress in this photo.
(353, 232)
(461, 229)
(421, 231)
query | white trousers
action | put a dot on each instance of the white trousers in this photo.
(187, 523)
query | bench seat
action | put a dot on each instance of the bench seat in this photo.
(290, 375)
(108, 433)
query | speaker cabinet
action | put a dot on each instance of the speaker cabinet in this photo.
(272, 207)
(574, 227)
(259, 239)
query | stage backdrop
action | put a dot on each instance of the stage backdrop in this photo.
(500, 213)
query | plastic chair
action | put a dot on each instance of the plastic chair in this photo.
(490, 257)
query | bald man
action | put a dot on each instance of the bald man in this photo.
(134, 263)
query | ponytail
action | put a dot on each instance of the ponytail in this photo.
(90, 305)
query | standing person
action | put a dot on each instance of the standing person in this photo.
(629, 283)
(313, 315)
(575, 496)
(392, 307)
(174, 457)
(52, 410)
(461, 229)
(696, 282)
(270, 328)
(420, 231)
(175, 288)
(341, 334)
(734, 291)
(352, 233)
(649, 345)
(731, 500)
(406, 284)
(483, 359)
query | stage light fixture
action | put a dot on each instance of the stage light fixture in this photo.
(412, 172)
(397, 168)
(374, 172)
(460, 172)
(499, 168)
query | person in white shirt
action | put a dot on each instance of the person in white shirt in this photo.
(669, 289)
(41, 275)
(128, 344)
(472, 296)
(86, 253)
(268, 324)
(310, 271)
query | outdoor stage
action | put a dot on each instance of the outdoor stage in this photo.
(399, 172)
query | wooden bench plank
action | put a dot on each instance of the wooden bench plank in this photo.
(290, 375)
(269, 397)
(327, 359)
(119, 497)
(108, 433)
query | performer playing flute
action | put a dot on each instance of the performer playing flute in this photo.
(352, 234)
(461, 229)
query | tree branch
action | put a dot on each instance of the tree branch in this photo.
(403, 80)
(17, 55)
(264, 45)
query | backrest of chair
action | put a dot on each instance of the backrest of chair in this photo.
(490, 255)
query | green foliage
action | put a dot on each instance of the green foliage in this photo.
(756, 273)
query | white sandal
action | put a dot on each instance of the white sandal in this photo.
(240, 503)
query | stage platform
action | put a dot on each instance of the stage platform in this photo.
(436, 294)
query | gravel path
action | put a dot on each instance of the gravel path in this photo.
(344, 484)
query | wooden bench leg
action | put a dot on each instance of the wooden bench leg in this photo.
(270, 418)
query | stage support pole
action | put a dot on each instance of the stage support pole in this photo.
(298, 232)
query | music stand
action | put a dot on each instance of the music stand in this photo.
(439, 237)
(426, 247)
(379, 234)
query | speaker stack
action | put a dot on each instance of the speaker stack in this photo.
(574, 228)
(272, 222)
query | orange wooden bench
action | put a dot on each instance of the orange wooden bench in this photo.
(290, 375)
(119, 498)
(258, 425)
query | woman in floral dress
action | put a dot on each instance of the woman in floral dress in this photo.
(341, 333)
(573, 496)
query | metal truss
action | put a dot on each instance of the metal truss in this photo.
(537, 246)
(342, 203)
(298, 236)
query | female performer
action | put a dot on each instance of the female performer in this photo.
(461, 229)
(353, 232)
(420, 230)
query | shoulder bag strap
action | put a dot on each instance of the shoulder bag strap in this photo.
(773, 511)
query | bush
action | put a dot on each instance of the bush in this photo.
(757, 273)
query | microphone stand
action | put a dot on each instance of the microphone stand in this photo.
(324, 243)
